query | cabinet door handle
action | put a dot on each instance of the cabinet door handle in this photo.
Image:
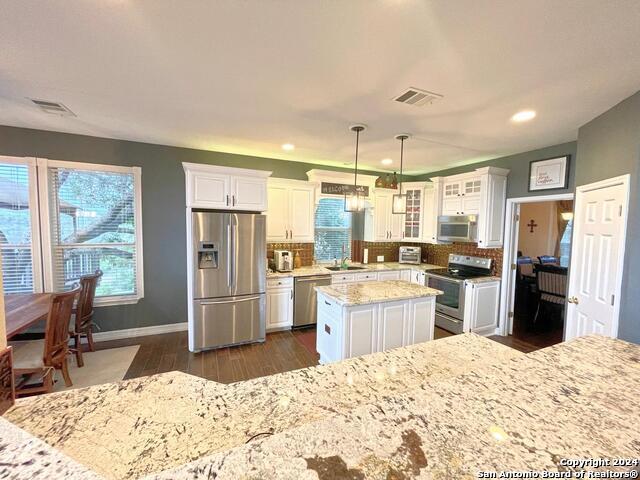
(327, 303)
(291, 294)
(227, 200)
(291, 233)
(234, 200)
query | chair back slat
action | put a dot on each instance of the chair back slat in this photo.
(548, 260)
(84, 309)
(551, 280)
(56, 338)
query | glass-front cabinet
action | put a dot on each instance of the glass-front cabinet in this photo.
(412, 219)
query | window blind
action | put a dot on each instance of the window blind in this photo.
(93, 228)
(332, 230)
(15, 229)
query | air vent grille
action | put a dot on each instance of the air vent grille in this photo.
(417, 97)
(53, 108)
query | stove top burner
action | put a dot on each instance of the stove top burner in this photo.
(459, 273)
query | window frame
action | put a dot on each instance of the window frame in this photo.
(43, 165)
(316, 228)
(34, 209)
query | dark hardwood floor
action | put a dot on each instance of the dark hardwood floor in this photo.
(283, 351)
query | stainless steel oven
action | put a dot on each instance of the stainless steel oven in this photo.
(449, 305)
(458, 228)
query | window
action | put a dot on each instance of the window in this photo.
(90, 218)
(332, 230)
(565, 245)
(17, 221)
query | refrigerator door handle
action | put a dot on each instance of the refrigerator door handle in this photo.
(234, 227)
(229, 250)
(219, 302)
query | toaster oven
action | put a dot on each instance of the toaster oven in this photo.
(410, 255)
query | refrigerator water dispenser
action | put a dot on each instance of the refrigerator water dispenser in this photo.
(207, 255)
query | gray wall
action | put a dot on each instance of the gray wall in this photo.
(609, 146)
(518, 164)
(163, 209)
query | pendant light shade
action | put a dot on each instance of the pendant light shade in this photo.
(399, 202)
(354, 201)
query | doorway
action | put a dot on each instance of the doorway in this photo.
(538, 234)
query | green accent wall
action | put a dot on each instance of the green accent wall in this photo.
(518, 164)
(609, 146)
(163, 208)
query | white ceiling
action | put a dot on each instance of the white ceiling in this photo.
(246, 76)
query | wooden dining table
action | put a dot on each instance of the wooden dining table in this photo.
(23, 310)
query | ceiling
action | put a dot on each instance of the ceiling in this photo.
(247, 76)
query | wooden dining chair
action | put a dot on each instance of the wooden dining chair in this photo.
(552, 285)
(35, 375)
(83, 323)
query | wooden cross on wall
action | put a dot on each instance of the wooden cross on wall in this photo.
(531, 225)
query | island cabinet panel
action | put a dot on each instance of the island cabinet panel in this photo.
(350, 331)
(361, 332)
(393, 325)
(421, 321)
(389, 275)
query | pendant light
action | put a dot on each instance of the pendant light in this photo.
(399, 203)
(354, 201)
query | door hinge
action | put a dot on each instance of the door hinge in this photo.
(510, 314)
(517, 217)
(613, 300)
(513, 266)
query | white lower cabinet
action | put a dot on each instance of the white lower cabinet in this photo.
(390, 275)
(481, 301)
(351, 331)
(419, 278)
(337, 278)
(279, 304)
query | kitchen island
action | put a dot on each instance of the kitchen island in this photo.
(362, 318)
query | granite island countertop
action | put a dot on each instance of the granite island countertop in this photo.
(136, 427)
(348, 294)
(443, 409)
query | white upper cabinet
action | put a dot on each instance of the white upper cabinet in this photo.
(482, 193)
(413, 223)
(215, 187)
(381, 225)
(432, 201)
(290, 217)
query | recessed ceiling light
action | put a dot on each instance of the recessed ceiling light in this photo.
(288, 146)
(524, 116)
(386, 161)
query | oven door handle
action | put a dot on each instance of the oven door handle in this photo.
(446, 279)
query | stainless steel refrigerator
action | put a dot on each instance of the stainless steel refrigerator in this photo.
(229, 277)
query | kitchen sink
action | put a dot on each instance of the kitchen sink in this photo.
(339, 269)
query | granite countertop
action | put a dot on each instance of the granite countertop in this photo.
(367, 267)
(364, 293)
(136, 427)
(524, 414)
(443, 409)
(483, 279)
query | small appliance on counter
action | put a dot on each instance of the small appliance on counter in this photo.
(283, 260)
(451, 280)
(410, 255)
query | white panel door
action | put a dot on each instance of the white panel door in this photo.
(278, 214)
(249, 193)
(597, 258)
(209, 190)
(361, 331)
(301, 214)
(392, 325)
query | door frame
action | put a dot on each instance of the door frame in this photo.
(511, 234)
(625, 181)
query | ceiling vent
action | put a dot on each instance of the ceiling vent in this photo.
(417, 97)
(53, 108)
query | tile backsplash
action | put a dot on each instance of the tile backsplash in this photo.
(304, 249)
(388, 249)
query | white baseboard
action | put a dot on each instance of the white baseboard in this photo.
(139, 332)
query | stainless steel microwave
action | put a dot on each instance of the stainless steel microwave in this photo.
(458, 228)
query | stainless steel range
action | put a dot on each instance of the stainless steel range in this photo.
(451, 280)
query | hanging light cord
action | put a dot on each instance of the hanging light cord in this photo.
(355, 178)
(401, 156)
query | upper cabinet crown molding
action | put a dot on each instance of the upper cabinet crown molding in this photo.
(227, 188)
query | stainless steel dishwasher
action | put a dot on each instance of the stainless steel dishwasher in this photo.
(305, 306)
